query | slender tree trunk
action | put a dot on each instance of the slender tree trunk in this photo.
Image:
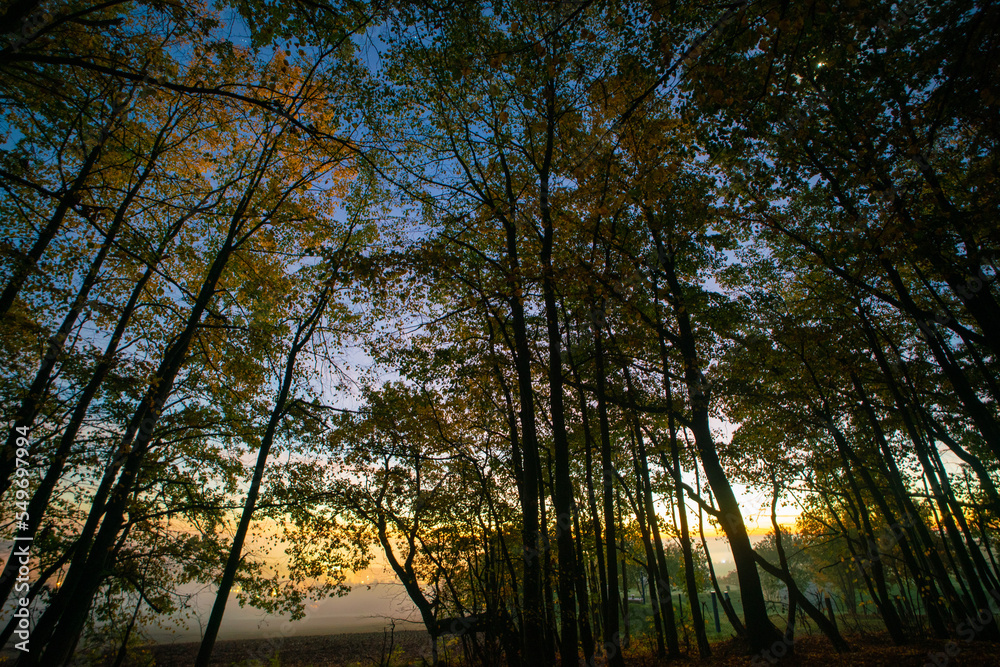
(727, 605)
(408, 578)
(692, 588)
(647, 543)
(663, 583)
(970, 556)
(689, 574)
(983, 569)
(40, 499)
(856, 557)
(943, 493)
(27, 264)
(516, 464)
(551, 635)
(760, 631)
(925, 585)
(817, 615)
(896, 388)
(302, 337)
(586, 632)
(623, 557)
(884, 601)
(67, 613)
(974, 407)
(790, 623)
(534, 635)
(660, 578)
(783, 563)
(612, 636)
(589, 479)
(35, 397)
(66, 620)
(563, 487)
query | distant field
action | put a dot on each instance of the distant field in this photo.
(364, 649)
(341, 650)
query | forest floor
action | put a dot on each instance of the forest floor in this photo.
(412, 648)
(868, 649)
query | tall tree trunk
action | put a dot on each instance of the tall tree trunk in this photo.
(652, 571)
(975, 569)
(727, 604)
(795, 595)
(67, 613)
(692, 588)
(761, 633)
(897, 389)
(551, 635)
(884, 601)
(661, 583)
(516, 462)
(623, 558)
(612, 636)
(35, 397)
(534, 635)
(303, 335)
(783, 563)
(43, 493)
(983, 569)
(562, 495)
(589, 477)
(29, 261)
(586, 632)
(980, 414)
(67, 619)
(927, 586)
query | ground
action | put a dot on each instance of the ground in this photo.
(413, 648)
(340, 650)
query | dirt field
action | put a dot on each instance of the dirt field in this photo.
(413, 648)
(342, 650)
